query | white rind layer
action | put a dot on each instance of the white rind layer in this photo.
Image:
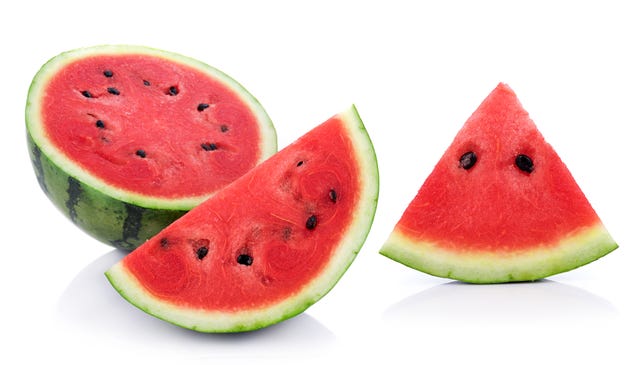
(547, 259)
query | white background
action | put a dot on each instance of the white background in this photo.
(415, 72)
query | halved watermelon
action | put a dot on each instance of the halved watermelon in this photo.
(125, 139)
(267, 246)
(499, 206)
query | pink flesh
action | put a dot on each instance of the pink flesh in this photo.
(168, 128)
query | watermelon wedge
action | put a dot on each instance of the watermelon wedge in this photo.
(267, 246)
(499, 206)
(126, 139)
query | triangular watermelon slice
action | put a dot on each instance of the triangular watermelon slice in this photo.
(267, 246)
(499, 206)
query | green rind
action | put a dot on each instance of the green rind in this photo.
(107, 219)
(248, 320)
(572, 252)
(111, 215)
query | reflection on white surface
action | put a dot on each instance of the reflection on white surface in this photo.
(538, 302)
(91, 304)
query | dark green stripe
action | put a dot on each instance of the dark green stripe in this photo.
(132, 223)
(74, 191)
(131, 227)
(37, 164)
(109, 220)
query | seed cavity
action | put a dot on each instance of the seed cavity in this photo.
(164, 242)
(224, 128)
(202, 106)
(173, 91)
(312, 222)
(141, 153)
(202, 252)
(107, 73)
(244, 259)
(286, 234)
(333, 196)
(209, 146)
(467, 160)
(524, 163)
(113, 91)
(86, 94)
(146, 83)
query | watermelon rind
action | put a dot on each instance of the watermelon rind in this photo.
(578, 249)
(248, 320)
(112, 215)
(108, 219)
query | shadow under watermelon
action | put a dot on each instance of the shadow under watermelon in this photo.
(91, 305)
(535, 303)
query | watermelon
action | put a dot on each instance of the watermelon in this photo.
(268, 245)
(126, 139)
(499, 206)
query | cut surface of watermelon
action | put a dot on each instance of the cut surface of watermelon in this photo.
(138, 136)
(267, 246)
(499, 206)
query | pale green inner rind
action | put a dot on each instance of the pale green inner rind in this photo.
(36, 130)
(246, 320)
(486, 267)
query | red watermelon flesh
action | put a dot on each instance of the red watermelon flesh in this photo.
(149, 125)
(268, 245)
(500, 205)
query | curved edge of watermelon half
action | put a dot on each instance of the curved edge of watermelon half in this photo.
(108, 219)
(115, 216)
(489, 220)
(347, 247)
(570, 253)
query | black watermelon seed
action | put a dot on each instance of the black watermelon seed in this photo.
(108, 73)
(100, 124)
(224, 128)
(146, 83)
(141, 153)
(202, 106)
(113, 91)
(244, 259)
(333, 196)
(87, 94)
(202, 252)
(173, 91)
(209, 146)
(312, 222)
(524, 163)
(164, 242)
(468, 160)
(299, 163)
